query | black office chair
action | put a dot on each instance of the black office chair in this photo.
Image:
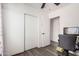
(67, 42)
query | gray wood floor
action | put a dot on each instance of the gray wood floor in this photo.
(44, 51)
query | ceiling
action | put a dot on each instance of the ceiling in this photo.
(34, 5)
(48, 6)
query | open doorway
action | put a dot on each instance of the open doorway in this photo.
(54, 29)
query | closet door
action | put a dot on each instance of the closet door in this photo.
(30, 32)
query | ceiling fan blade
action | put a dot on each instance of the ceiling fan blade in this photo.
(57, 4)
(43, 5)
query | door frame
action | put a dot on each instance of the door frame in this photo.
(50, 24)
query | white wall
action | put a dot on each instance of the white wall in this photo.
(13, 19)
(1, 35)
(13, 29)
(69, 16)
(0, 19)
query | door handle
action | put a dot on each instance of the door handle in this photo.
(43, 33)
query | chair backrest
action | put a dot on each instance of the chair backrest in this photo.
(67, 42)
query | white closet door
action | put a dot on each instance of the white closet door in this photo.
(30, 31)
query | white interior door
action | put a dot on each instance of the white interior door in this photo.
(30, 31)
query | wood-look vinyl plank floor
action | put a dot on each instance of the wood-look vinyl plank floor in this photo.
(43, 51)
